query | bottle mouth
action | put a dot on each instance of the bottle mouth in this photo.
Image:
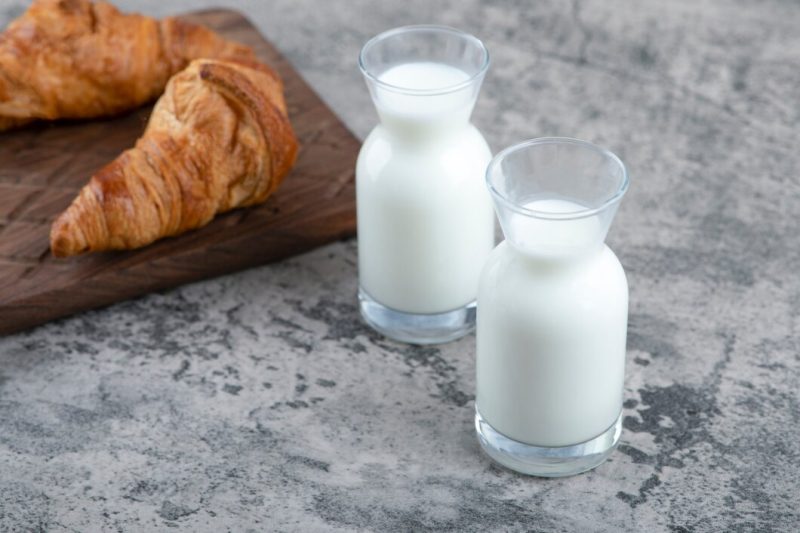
(423, 30)
(605, 202)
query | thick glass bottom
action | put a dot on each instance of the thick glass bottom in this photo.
(546, 461)
(417, 328)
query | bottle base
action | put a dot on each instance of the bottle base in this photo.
(547, 461)
(416, 328)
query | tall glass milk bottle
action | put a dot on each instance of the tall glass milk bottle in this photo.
(552, 310)
(425, 219)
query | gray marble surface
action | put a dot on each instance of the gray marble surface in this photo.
(259, 401)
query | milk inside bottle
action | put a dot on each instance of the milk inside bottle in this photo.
(552, 310)
(425, 220)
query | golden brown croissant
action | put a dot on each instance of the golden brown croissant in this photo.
(219, 138)
(80, 59)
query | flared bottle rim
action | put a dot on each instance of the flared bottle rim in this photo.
(374, 77)
(612, 199)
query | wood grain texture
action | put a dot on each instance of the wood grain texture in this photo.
(44, 166)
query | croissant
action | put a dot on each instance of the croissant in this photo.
(81, 59)
(219, 138)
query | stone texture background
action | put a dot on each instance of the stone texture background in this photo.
(259, 401)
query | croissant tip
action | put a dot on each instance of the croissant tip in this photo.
(59, 246)
(62, 241)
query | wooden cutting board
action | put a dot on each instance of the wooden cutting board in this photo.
(43, 167)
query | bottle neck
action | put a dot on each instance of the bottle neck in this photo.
(550, 259)
(553, 240)
(423, 132)
(420, 118)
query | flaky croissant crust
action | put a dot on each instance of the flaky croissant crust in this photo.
(219, 138)
(84, 59)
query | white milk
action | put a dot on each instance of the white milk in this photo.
(425, 220)
(423, 114)
(551, 331)
(554, 238)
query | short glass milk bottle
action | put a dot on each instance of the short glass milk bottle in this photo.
(552, 310)
(425, 219)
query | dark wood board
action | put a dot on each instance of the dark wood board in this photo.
(44, 166)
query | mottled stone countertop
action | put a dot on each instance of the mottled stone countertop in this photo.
(259, 401)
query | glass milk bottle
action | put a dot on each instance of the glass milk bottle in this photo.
(425, 219)
(552, 310)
